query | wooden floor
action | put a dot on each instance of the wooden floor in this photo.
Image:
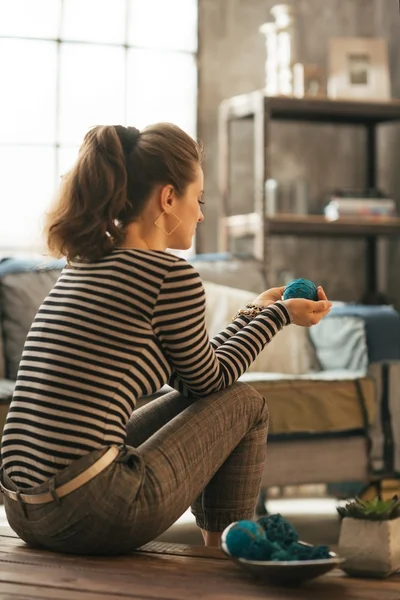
(160, 571)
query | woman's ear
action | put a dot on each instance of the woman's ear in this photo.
(167, 196)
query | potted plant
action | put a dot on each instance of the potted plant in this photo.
(370, 537)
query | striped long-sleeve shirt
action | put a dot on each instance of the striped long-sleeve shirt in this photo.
(107, 333)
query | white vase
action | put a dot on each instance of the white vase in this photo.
(371, 548)
(286, 46)
(271, 58)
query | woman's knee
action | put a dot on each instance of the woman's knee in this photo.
(255, 399)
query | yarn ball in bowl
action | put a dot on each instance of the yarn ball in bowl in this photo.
(246, 539)
(302, 552)
(298, 551)
(301, 288)
(278, 530)
(241, 535)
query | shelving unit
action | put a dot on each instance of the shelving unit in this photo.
(262, 110)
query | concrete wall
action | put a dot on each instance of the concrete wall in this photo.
(231, 61)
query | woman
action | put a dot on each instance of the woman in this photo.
(82, 472)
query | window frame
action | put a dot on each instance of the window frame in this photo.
(58, 146)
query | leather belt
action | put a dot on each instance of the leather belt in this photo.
(70, 486)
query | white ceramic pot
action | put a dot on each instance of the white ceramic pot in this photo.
(371, 548)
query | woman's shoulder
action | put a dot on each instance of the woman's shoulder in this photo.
(163, 262)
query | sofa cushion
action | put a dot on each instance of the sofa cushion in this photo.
(291, 351)
(21, 295)
(225, 269)
(2, 356)
(328, 402)
(6, 392)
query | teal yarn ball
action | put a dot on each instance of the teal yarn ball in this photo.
(302, 552)
(260, 550)
(301, 288)
(278, 530)
(241, 536)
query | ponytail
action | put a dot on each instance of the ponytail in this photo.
(83, 223)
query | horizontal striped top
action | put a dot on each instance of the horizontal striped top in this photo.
(109, 332)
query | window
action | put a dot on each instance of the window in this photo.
(66, 65)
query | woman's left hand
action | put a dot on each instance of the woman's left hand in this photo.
(269, 296)
(274, 294)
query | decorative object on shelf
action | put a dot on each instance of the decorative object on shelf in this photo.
(301, 288)
(309, 81)
(271, 197)
(358, 69)
(370, 537)
(286, 197)
(271, 58)
(281, 50)
(299, 196)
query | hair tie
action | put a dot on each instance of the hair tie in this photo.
(128, 137)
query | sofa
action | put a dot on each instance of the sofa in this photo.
(323, 417)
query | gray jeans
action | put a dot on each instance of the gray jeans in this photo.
(207, 453)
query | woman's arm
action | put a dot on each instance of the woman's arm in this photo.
(179, 324)
(263, 300)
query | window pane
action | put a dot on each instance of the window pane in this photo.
(28, 91)
(26, 189)
(92, 89)
(66, 158)
(162, 86)
(163, 24)
(94, 20)
(30, 18)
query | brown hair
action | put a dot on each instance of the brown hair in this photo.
(107, 188)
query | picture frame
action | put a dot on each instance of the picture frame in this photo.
(358, 69)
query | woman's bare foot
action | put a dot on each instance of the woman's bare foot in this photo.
(211, 538)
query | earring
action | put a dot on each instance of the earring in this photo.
(179, 221)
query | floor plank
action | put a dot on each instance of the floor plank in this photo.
(18, 591)
(6, 531)
(149, 578)
(178, 573)
(152, 547)
(15, 545)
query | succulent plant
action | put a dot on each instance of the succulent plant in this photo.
(371, 510)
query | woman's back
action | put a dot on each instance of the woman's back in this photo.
(90, 353)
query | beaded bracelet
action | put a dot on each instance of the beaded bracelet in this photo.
(251, 311)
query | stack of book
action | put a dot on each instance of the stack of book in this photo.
(347, 206)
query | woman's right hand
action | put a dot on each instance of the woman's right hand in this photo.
(308, 312)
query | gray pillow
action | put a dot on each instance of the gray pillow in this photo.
(242, 274)
(6, 391)
(22, 294)
(2, 358)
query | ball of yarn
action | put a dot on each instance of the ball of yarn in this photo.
(298, 551)
(301, 288)
(241, 536)
(279, 530)
(260, 550)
